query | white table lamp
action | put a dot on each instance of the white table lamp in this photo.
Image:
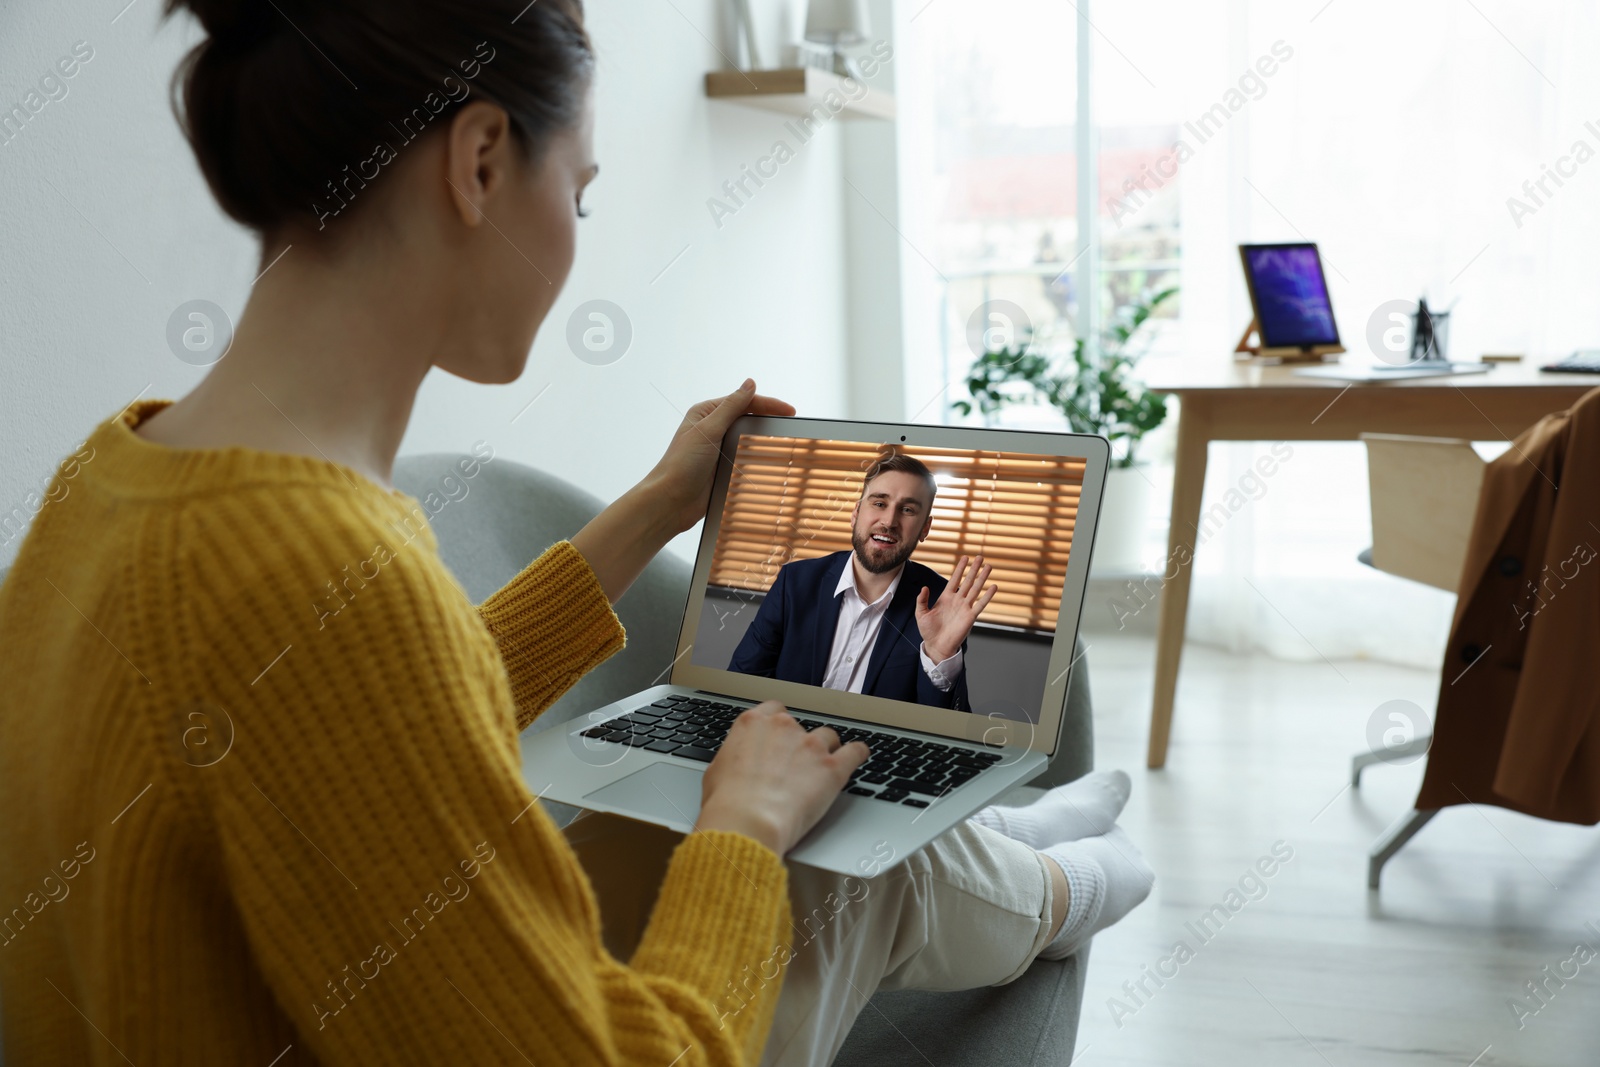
(835, 23)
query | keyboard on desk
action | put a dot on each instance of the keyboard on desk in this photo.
(902, 770)
(1583, 361)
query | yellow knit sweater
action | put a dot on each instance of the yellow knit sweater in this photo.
(260, 793)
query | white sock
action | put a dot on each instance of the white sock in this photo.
(1087, 807)
(1107, 877)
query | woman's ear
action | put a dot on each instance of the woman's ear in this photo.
(478, 157)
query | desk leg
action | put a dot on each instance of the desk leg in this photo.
(1188, 483)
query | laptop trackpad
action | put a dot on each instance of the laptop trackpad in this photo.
(663, 792)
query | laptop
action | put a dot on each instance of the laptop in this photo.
(786, 525)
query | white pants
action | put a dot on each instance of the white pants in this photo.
(970, 909)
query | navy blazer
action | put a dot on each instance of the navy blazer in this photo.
(792, 634)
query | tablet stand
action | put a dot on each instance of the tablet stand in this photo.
(1246, 352)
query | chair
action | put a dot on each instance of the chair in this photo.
(1424, 495)
(511, 513)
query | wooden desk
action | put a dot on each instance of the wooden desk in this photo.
(1241, 402)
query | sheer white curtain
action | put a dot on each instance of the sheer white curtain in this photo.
(1395, 135)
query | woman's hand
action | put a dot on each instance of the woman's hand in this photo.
(621, 541)
(682, 479)
(772, 780)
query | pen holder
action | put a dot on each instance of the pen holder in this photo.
(1430, 335)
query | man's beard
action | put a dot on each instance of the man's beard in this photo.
(864, 544)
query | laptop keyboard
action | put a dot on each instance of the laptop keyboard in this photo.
(902, 770)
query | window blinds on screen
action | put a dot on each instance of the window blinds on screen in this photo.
(790, 499)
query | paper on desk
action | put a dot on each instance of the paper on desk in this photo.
(1388, 374)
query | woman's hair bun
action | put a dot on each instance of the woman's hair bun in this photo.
(293, 107)
(231, 21)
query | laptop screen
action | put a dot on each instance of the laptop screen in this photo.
(910, 583)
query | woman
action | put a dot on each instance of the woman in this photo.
(268, 747)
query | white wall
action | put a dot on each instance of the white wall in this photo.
(109, 227)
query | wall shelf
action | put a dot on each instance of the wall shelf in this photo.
(797, 90)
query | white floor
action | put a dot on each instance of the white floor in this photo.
(1316, 970)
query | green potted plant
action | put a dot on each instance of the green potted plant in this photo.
(1096, 392)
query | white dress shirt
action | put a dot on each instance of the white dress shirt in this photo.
(857, 632)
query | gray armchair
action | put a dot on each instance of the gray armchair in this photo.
(511, 513)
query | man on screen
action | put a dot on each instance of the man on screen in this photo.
(870, 620)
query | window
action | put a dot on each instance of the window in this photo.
(993, 192)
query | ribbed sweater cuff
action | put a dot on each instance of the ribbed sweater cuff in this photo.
(553, 624)
(721, 922)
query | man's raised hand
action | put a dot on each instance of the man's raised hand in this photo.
(948, 622)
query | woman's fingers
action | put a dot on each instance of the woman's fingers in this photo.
(713, 417)
(771, 780)
(849, 757)
(745, 400)
(770, 405)
(730, 407)
(701, 410)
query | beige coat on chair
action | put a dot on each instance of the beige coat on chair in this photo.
(1518, 720)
